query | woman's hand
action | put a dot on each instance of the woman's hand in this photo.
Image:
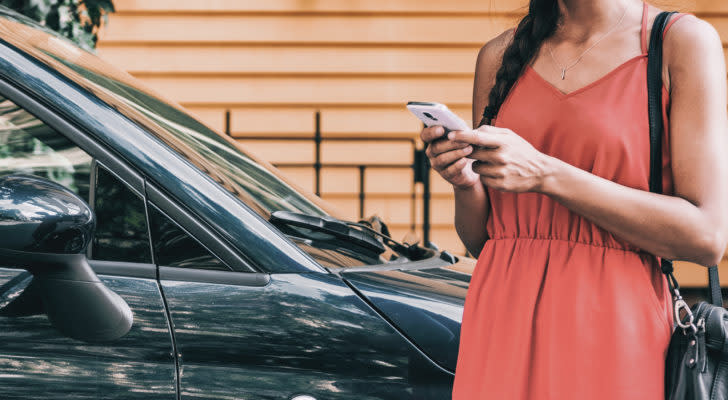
(448, 158)
(504, 160)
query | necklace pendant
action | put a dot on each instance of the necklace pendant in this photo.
(563, 73)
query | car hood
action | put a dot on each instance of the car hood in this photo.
(423, 300)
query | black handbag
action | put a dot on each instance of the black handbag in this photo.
(696, 366)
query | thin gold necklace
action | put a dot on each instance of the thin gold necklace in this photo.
(564, 69)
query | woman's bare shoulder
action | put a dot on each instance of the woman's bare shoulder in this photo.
(693, 45)
(692, 34)
(490, 55)
(489, 61)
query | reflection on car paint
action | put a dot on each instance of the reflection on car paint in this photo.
(305, 333)
(36, 361)
(426, 304)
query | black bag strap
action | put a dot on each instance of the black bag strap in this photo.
(654, 100)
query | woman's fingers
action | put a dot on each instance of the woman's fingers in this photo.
(454, 170)
(431, 133)
(492, 151)
(488, 170)
(441, 146)
(443, 160)
(489, 156)
(480, 137)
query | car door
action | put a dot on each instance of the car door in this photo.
(253, 335)
(36, 360)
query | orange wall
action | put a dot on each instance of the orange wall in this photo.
(273, 63)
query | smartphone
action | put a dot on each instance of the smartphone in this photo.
(437, 114)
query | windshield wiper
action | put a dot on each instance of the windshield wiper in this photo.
(356, 233)
(328, 226)
(411, 251)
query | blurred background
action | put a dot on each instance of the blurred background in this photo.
(318, 87)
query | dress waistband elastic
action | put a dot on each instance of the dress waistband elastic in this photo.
(632, 249)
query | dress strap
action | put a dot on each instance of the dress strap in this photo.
(672, 20)
(643, 30)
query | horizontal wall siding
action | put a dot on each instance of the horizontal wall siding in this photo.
(273, 29)
(261, 71)
(377, 121)
(318, 6)
(322, 90)
(373, 6)
(288, 59)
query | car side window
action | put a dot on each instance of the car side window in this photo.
(121, 224)
(28, 146)
(173, 247)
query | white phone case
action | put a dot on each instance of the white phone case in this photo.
(437, 114)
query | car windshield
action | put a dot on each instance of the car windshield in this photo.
(266, 188)
(222, 157)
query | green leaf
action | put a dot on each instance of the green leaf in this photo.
(78, 20)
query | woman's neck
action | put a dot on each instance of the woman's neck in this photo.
(581, 19)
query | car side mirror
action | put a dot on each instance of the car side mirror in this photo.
(45, 229)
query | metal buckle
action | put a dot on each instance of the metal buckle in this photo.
(679, 305)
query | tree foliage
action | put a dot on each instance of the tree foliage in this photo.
(78, 20)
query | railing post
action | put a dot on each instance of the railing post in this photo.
(413, 192)
(228, 130)
(422, 174)
(317, 144)
(426, 202)
(362, 195)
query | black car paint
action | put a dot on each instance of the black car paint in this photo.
(37, 362)
(426, 304)
(306, 333)
(300, 329)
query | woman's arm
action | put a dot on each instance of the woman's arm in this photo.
(693, 224)
(449, 158)
(472, 205)
(471, 214)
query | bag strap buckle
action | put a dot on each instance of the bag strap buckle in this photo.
(680, 305)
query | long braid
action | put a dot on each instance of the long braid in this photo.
(534, 28)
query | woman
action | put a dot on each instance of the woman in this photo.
(567, 300)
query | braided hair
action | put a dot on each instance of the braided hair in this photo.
(538, 25)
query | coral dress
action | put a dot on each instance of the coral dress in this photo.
(559, 308)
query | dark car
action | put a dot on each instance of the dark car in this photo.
(146, 256)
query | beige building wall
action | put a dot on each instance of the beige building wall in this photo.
(262, 69)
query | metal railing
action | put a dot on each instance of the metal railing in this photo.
(419, 165)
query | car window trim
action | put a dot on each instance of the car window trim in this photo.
(125, 269)
(252, 279)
